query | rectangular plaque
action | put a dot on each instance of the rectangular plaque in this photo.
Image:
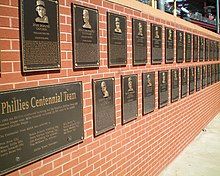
(40, 39)
(156, 44)
(184, 80)
(174, 85)
(209, 75)
(206, 49)
(201, 48)
(169, 45)
(195, 48)
(216, 72)
(204, 76)
(148, 90)
(37, 122)
(117, 39)
(179, 46)
(129, 98)
(211, 47)
(139, 45)
(212, 74)
(86, 37)
(215, 51)
(191, 80)
(198, 78)
(162, 88)
(188, 47)
(104, 105)
(218, 57)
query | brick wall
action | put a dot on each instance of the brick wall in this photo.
(142, 147)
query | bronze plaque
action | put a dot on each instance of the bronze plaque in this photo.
(156, 44)
(211, 47)
(85, 37)
(162, 88)
(188, 47)
(201, 48)
(174, 85)
(204, 76)
(37, 122)
(179, 46)
(169, 45)
(139, 45)
(206, 49)
(216, 73)
(212, 74)
(209, 75)
(218, 57)
(129, 98)
(40, 39)
(191, 80)
(148, 90)
(195, 48)
(184, 80)
(215, 55)
(117, 39)
(198, 78)
(104, 105)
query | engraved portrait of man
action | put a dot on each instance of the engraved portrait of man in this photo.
(163, 78)
(189, 39)
(41, 12)
(175, 75)
(157, 33)
(140, 29)
(170, 35)
(130, 85)
(118, 25)
(86, 24)
(104, 90)
(184, 73)
(149, 84)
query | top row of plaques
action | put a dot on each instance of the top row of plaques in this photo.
(41, 40)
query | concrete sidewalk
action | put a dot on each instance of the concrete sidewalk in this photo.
(201, 157)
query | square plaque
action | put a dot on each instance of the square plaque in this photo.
(204, 76)
(38, 122)
(85, 37)
(209, 75)
(169, 43)
(139, 45)
(212, 74)
(188, 47)
(104, 105)
(206, 49)
(195, 48)
(117, 39)
(148, 90)
(179, 46)
(198, 78)
(129, 98)
(174, 85)
(201, 48)
(40, 39)
(184, 81)
(191, 80)
(162, 88)
(156, 44)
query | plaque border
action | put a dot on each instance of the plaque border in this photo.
(73, 15)
(171, 73)
(167, 61)
(22, 41)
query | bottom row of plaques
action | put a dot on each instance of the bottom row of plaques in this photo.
(37, 122)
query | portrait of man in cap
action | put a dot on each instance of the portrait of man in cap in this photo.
(117, 25)
(149, 84)
(163, 78)
(140, 29)
(130, 85)
(41, 12)
(104, 90)
(86, 24)
(157, 36)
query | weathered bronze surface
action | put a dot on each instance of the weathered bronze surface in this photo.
(201, 48)
(204, 76)
(174, 85)
(104, 105)
(188, 47)
(156, 44)
(212, 74)
(216, 72)
(86, 37)
(209, 75)
(40, 39)
(148, 89)
(206, 49)
(169, 45)
(211, 47)
(184, 85)
(162, 88)
(129, 98)
(139, 45)
(198, 78)
(37, 122)
(191, 80)
(179, 46)
(195, 48)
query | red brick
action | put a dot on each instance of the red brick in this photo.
(4, 22)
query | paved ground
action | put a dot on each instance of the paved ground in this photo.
(201, 157)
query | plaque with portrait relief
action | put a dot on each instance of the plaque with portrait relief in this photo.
(191, 80)
(216, 72)
(198, 78)
(207, 49)
(195, 48)
(162, 88)
(85, 36)
(40, 38)
(156, 44)
(169, 45)
(129, 98)
(218, 56)
(174, 85)
(148, 90)
(104, 105)
(201, 48)
(204, 76)
(184, 81)
(179, 46)
(117, 39)
(211, 49)
(188, 47)
(212, 73)
(139, 45)
(214, 51)
(209, 79)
